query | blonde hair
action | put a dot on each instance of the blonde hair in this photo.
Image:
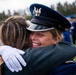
(13, 32)
(57, 33)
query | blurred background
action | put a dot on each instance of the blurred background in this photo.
(21, 7)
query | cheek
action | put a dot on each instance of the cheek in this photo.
(46, 41)
(50, 42)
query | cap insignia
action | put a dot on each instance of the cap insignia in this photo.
(37, 11)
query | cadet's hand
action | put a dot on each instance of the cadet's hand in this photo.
(12, 58)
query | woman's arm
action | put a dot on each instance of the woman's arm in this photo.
(43, 60)
(40, 61)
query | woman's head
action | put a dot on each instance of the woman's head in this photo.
(47, 25)
(45, 38)
(14, 33)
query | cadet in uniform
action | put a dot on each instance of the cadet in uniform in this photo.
(43, 60)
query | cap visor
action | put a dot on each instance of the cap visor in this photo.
(37, 27)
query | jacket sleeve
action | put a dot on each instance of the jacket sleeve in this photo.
(42, 61)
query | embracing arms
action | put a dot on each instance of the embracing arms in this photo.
(40, 61)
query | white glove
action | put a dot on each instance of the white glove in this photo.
(12, 58)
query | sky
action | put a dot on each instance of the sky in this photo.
(12, 5)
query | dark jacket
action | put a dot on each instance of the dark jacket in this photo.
(65, 69)
(41, 61)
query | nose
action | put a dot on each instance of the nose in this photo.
(33, 36)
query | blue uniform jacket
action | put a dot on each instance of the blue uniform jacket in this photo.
(65, 69)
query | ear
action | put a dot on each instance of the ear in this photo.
(60, 38)
(56, 40)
